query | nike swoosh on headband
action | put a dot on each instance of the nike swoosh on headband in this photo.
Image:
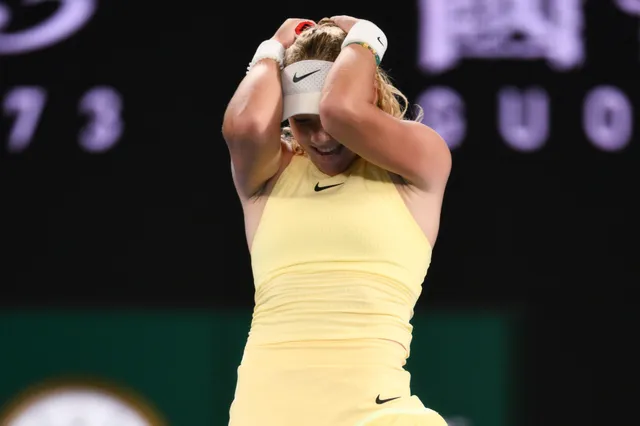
(302, 77)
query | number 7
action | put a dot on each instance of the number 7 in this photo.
(26, 105)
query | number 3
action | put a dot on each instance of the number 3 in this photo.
(103, 106)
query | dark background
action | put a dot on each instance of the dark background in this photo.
(154, 221)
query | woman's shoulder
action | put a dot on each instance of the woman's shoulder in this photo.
(286, 160)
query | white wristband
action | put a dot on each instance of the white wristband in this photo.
(370, 36)
(268, 49)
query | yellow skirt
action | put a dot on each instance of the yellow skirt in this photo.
(405, 416)
(336, 383)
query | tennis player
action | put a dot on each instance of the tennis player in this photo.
(342, 210)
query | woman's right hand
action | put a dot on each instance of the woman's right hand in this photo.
(286, 34)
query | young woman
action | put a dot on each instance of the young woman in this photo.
(342, 210)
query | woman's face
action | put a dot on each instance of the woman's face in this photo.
(328, 155)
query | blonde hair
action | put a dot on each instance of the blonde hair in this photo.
(323, 42)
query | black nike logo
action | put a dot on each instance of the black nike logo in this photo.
(319, 188)
(382, 401)
(302, 77)
(380, 41)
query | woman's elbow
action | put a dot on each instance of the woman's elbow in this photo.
(239, 129)
(335, 112)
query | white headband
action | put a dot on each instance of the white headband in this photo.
(302, 84)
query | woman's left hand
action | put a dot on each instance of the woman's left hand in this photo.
(344, 22)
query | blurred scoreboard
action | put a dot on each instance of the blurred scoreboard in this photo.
(544, 56)
(582, 55)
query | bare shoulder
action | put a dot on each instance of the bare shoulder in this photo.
(424, 206)
(253, 207)
(436, 155)
(263, 193)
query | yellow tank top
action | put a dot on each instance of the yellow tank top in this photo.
(336, 258)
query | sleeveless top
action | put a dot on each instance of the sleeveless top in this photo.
(336, 258)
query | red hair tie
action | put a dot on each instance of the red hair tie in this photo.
(303, 26)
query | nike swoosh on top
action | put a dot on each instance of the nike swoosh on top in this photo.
(319, 188)
(382, 401)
